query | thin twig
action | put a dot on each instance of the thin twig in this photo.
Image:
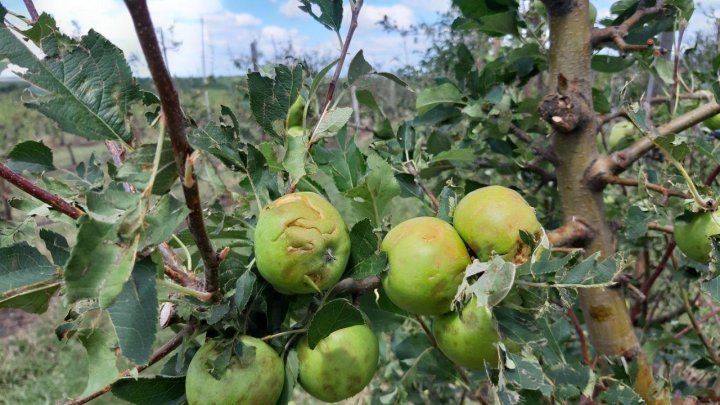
(156, 356)
(581, 335)
(654, 226)
(175, 123)
(412, 169)
(463, 374)
(701, 321)
(647, 285)
(353, 286)
(623, 181)
(600, 35)
(53, 200)
(708, 345)
(32, 10)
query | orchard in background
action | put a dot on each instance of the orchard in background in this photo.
(496, 225)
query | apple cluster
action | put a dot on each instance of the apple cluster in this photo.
(302, 245)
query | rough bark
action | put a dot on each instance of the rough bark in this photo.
(605, 312)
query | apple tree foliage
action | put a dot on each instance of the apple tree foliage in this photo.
(474, 121)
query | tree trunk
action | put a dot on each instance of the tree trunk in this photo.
(568, 107)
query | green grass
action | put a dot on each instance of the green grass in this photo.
(36, 368)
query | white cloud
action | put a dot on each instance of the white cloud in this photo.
(435, 6)
(291, 9)
(370, 15)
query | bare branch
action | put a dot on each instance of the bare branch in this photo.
(53, 200)
(572, 234)
(623, 181)
(650, 281)
(581, 336)
(619, 161)
(410, 167)
(156, 356)
(176, 130)
(353, 286)
(613, 33)
(32, 10)
(707, 343)
(343, 53)
(654, 226)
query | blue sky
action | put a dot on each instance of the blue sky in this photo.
(230, 26)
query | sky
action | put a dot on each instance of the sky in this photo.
(231, 25)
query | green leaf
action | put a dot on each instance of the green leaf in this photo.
(601, 101)
(271, 98)
(447, 201)
(57, 245)
(433, 96)
(358, 68)
(138, 167)
(164, 219)
(610, 64)
(294, 161)
(86, 87)
(636, 223)
(345, 165)
(620, 393)
(334, 315)
(243, 289)
(331, 12)
(332, 122)
(31, 156)
(159, 389)
(495, 281)
(102, 364)
(527, 374)
(33, 299)
(674, 146)
(365, 261)
(395, 79)
(22, 265)
(712, 288)
(292, 369)
(665, 69)
(372, 197)
(221, 142)
(98, 265)
(455, 155)
(135, 313)
(590, 272)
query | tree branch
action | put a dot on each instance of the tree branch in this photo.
(571, 234)
(156, 356)
(354, 286)
(32, 10)
(618, 32)
(355, 10)
(650, 281)
(53, 200)
(624, 181)
(410, 167)
(581, 336)
(619, 161)
(176, 130)
(708, 345)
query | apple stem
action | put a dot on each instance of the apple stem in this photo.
(311, 283)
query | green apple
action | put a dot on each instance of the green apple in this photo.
(592, 14)
(260, 381)
(383, 129)
(622, 135)
(490, 219)
(340, 365)
(468, 339)
(301, 243)
(295, 113)
(427, 264)
(692, 235)
(713, 122)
